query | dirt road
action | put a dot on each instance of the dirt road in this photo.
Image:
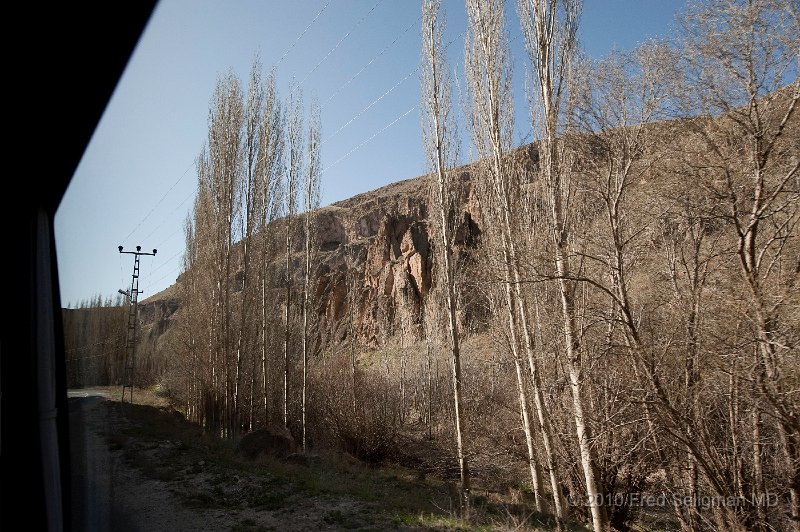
(108, 493)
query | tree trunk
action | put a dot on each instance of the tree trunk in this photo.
(287, 323)
(264, 387)
(306, 280)
(437, 114)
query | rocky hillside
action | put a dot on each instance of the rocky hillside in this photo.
(375, 252)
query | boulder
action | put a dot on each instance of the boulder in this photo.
(274, 440)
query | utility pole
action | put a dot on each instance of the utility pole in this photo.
(133, 312)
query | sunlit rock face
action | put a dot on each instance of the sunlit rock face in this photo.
(387, 243)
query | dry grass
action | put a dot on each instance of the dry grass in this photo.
(327, 490)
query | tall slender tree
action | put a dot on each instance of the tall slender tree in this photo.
(248, 212)
(311, 199)
(550, 30)
(440, 146)
(270, 179)
(293, 176)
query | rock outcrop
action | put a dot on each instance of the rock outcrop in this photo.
(377, 259)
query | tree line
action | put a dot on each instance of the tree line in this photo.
(260, 164)
(93, 340)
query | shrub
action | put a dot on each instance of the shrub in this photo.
(365, 426)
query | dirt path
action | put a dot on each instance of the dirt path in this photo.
(108, 493)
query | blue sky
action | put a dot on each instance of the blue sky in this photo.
(136, 180)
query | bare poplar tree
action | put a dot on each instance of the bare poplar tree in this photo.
(239, 182)
(191, 324)
(311, 199)
(270, 176)
(293, 176)
(489, 73)
(248, 211)
(220, 174)
(203, 311)
(550, 30)
(440, 146)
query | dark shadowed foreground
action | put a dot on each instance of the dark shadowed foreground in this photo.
(143, 467)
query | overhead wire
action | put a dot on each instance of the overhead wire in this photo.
(354, 118)
(146, 216)
(148, 270)
(166, 261)
(369, 106)
(374, 58)
(187, 198)
(286, 53)
(346, 35)
(121, 275)
(168, 237)
(333, 95)
(367, 141)
(379, 98)
(297, 40)
(170, 272)
(152, 284)
(345, 125)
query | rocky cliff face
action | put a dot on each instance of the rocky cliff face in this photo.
(376, 254)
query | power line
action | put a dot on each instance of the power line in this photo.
(158, 202)
(191, 194)
(331, 97)
(369, 106)
(337, 92)
(340, 159)
(381, 97)
(173, 270)
(354, 118)
(166, 262)
(348, 154)
(121, 275)
(146, 276)
(286, 53)
(346, 35)
(375, 58)
(291, 46)
(166, 239)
